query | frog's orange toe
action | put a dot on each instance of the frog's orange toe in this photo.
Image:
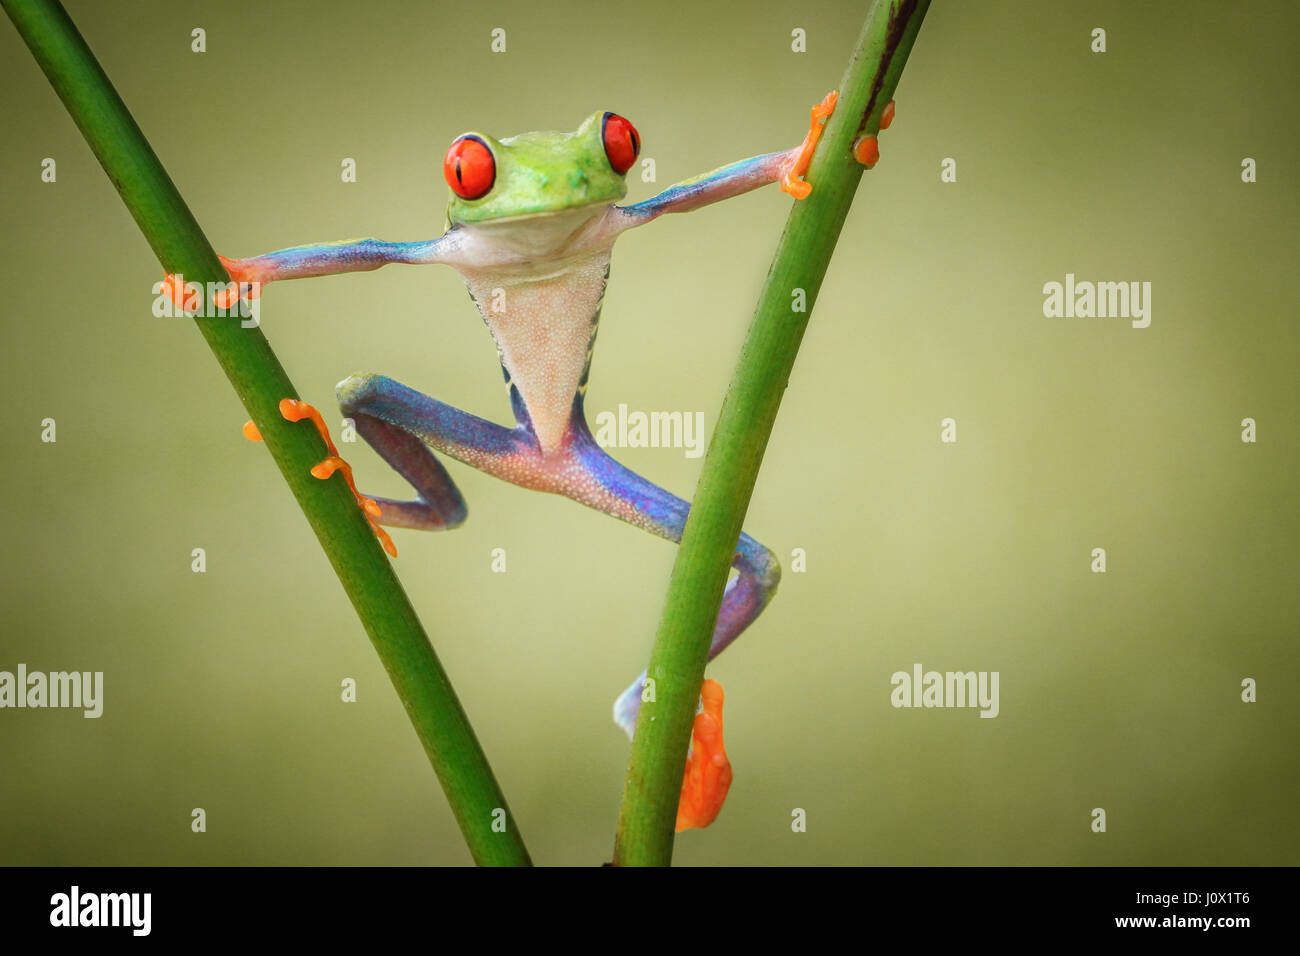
(225, 298)
(324, 469)
(790, 181)
(174, 290)
(295, 410)
(867, 151)
(887, 115)
(708, 771)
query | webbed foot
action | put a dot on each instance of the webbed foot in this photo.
(708, 771)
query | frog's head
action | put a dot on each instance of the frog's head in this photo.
(537, 174)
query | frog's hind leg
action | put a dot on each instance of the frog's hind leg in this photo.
(439, 505)
(617, 490)
(597, 480)
(403, 425)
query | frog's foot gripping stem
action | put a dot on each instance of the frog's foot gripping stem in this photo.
(867, 150)
(295, 411)
(244, 286)
(790, 181)
(708, 771)
(249, 286)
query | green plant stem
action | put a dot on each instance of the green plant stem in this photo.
(654, 777)
(260, 382)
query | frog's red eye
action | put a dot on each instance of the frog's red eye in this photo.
(469, 168)
(622, 144)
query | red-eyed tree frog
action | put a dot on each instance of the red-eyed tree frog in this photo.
(533, 219)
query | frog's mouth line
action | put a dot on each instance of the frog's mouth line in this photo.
(541, 214)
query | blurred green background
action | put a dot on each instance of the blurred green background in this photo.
(1118, 690)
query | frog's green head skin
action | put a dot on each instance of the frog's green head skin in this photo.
(537, 173)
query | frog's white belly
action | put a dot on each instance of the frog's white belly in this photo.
(543, 320)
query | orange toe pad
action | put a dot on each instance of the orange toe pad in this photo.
(708, 771)
(295, 410)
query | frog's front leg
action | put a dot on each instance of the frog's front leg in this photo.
(321, 259)
(784, 167)
(333, 258)
(720, 184)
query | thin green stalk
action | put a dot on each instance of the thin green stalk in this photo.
(260, 381)
(654, 777)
